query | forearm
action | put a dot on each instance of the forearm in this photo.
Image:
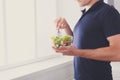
(68, 31)
(103, 54)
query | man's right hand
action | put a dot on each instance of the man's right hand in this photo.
(61, 23)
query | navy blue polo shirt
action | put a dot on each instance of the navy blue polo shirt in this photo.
(91, 31)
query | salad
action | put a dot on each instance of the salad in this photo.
(61, 41)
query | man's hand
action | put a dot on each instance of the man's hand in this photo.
(61, 23)
(110, 53)
(66, 50)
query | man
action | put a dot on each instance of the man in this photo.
(96, 39)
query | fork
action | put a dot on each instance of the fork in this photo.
(58, 33)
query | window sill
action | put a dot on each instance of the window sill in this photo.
(34, 67)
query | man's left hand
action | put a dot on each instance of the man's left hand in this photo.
(66, 50)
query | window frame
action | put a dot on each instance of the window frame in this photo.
(36, 58)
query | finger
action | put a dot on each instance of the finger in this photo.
(63, 22)
(66, 47)
(62, 48)
(58, 21)
(63, 25)
(56, 49)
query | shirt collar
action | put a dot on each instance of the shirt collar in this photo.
(94, 7)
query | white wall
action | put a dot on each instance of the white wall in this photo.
(70, 10)
(2, 50)
(45, 16)
(20, 30)
(117, 5)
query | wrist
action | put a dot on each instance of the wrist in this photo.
(67, 27)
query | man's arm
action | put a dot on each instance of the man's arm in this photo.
(110, 53)
(68, 31)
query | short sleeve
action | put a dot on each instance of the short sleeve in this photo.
(111, 22)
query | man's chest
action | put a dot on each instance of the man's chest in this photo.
(88, 25)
